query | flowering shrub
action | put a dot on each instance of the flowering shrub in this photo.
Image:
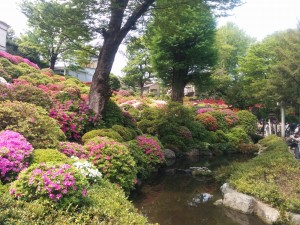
(75, 118)
(72, 149)
(230, 117)
(60, 183)
(247, 121)
(5, 92)
(208, 121)
(147, 154)
(114, 160)
(221, 119)
(32, 122)
(88, 170)
(17, 59)
(204, 110)
(29, 93)
(14, 154)
(126, 133)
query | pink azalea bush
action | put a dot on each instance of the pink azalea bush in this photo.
(14, 154)
(150, 147)
(73, 149)
(17, 59)
(59, 183)
(75, 118)
(113, 160)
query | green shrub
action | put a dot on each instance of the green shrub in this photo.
(112, 114)
(272, 176)
(31, 94)
(247, 121)
(208, 121)
(37, 78)
(56, 184)
(126, 133)
(32, 122)
(49, 155)
(113, 160)
(105, 204)
(110, 133)
(221, 120)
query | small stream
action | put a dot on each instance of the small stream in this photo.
(171, 199)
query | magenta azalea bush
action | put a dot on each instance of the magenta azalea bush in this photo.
(73, 149)
(17, 59)
(113, 160)
(15, 151)
(150, 147)
(75, 118)
(50, 182)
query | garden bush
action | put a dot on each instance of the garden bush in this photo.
(32, 122)
(112, 114)
(272, 176)
(148, 154)
(51, 183)
(15, 152)
(247, 121)
(126, 133)
(73, 149)
(110, 133)
(105, 204)
(113, 160)
(49, 155)
(36, 78)
(208, 121)
(221, 120)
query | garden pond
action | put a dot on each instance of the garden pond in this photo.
(183, 199)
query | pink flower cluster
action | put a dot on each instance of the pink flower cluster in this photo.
(14, 151)
(150, 146)
(73, 149)
(17, 59)
(204, 110)
(53, 181)
(75, 119)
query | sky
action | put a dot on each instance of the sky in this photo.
(258, 18)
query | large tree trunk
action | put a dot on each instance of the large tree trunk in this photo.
(53, 61)
(178, 84)
(100, 91)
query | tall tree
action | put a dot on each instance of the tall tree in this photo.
(57, 26)
(138, 70)
(121, 17)
(232, 44)
(181, 44)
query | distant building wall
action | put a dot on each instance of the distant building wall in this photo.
(3, 31)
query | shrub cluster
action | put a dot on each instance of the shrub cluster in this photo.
(14, 154)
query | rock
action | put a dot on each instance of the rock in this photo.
(218, 202)
(294, 218)
(170, 162)
(183, 171)
(266, 213)
(200, 171)
(2, 80)
(170, 171)
(200, 198)
(237, 201)
(169, 154)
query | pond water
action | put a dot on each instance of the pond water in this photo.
(177, 199)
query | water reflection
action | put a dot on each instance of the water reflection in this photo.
(167, 200)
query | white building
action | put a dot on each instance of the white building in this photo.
(3, 31)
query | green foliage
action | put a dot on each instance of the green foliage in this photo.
(110, 133)
(37, 183)
(31, 94)
(221, 121)
(113, 160)
(114, 82)
(32, 122)
(126, 133)
(112, 114)
(49, 155)
(271, 177)
(247, 121)
(105, 204)
(37, 78)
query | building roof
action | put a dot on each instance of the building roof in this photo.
(5, 24)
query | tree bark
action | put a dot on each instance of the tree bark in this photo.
(100, 91)
(53, 61)
(178, 84)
